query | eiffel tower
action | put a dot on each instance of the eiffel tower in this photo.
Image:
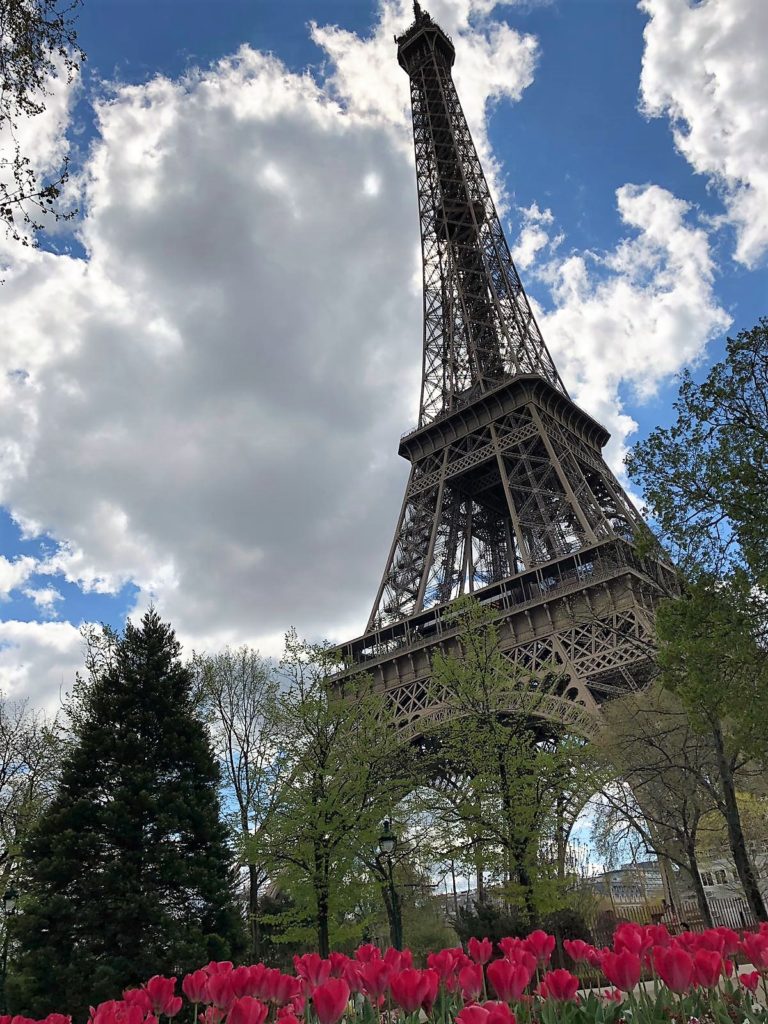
(509, 497)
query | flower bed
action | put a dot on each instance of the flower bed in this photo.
(691, 978)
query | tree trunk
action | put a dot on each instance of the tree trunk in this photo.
(254, 927)
(698, 885)
(736, 840)
(455, 893)
(480, 873)
(322, 900)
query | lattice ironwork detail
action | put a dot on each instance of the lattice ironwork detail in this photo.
(509, 497)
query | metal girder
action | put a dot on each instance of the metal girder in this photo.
(509, 496)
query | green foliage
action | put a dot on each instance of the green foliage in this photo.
(705, 478)
(127, 872)
(712, 655)
(345, 770)
(511, 767)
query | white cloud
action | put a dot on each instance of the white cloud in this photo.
(45, 598)
(38, 661)
(634, 315)
(209, 404)
(704, 67)
(14, 574)
(533, 237)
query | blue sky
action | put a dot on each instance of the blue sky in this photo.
(220, 353)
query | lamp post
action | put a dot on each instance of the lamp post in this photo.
(387, 846)
(9, 909)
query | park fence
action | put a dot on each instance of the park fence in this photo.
(730, 913)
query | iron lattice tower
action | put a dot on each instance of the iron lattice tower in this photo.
(509, 497)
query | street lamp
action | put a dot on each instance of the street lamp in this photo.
(387, 846)
(9, 908)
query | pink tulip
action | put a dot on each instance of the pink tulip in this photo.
(161, 991)
(509, 980)
(622, 969)
(675, 967)
(481, 950)
(330, 1000)
(247, 1010)
(471, 981)
(195, 987)
(499, 1013)
(540, 945)
(560, 985)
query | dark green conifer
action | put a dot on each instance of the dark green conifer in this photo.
(128, 871)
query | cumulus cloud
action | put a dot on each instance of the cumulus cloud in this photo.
(38, 661)
(704, 68)
(534, 235)
(14, 573)
(208, 403)
(636, 314)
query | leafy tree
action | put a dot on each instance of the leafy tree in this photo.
(656, 782)
(239, 692)
(345, 771)
(30, 751)
(38, 43)
(705, 478)
(711, 659)
(506, 768)
(127, 872)
(706, 482)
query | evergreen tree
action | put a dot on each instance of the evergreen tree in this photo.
(128, 870)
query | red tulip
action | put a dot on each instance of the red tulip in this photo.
(658, 934)
(195, 987)
(280, 988)
(499, 1013)
(212, 1015)
(471, 981)
(750, 981)
(560, 985)
(367, 953)
(443, 962)
(330, 1000)
(707, 967)
(218, 967)
(52, 1018)
(312, 968)
(375, 978)
(398, 959)
(289, 1017)
(578, 950)
(510, 945)
(481, 950)
(247, 1010)
(220, 990)
(409, 988)
(622, 969)
(161, 991)
(139, 997)
(632, 937)
(430, 988)
(730, 940)
(509, 980)
(756, 948)
(674, 966)
(240, 979)
(612, 995)
(473, 1015)
(338, 963)
(540, 945)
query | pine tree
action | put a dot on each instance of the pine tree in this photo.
(129, 874)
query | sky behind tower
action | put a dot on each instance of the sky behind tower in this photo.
(205, 375)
